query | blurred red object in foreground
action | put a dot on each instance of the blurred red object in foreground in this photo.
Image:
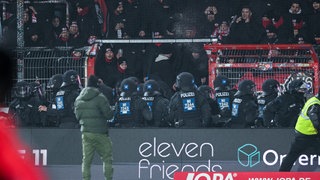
(12, 165)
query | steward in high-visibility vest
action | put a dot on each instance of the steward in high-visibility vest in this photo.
(307, 136)
(305, 124)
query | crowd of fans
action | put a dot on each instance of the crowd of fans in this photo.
(236, 22)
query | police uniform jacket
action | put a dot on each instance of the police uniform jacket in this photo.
(263, 100)
(131, 111)
(284, 110)
(158, 105)
(244, 111)
(189, 109)
(65, 98)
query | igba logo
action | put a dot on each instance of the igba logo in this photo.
(208, 176)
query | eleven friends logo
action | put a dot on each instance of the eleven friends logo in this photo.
(248, 155)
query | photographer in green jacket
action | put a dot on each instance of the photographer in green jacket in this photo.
(93, 110)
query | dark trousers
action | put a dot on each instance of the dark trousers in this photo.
(299, 146)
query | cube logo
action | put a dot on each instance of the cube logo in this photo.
(248, 155)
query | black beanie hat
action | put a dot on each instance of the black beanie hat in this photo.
(93, 81)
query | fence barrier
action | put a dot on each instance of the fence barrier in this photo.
(259, 62)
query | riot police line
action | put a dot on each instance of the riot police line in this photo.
(144, 104)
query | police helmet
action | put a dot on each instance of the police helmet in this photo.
(151, 88)
(55, 82)
(140, 89)
(205, 90)
(270, 86)
(185, 81)
(298, 85)
(135, 79)
(221, 83)
(70, 77)
(127, 87)
(22, 89)
(35, 87)
(246, 87)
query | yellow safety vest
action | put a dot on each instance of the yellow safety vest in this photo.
(304, 124)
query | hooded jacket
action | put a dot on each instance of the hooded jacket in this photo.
(92, 109)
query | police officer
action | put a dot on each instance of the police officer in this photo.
(306, 133)
(187, 107)
(130, 109)
(270, 89)
(158, 105)
(284, 110)
(48, 112)
(244, 106)
(224, 95)
(24, 107)
(65, 97)
(207, 92)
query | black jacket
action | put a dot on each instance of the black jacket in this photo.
(284, 110)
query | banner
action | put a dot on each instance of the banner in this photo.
(153, 153)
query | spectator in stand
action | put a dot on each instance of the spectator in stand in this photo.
(106, 67)
(272, 35)
(54, 30)
(31, 30)
(294, 21)
(245, 30)
(102, 14)
(74, 35)
(272, 18)
(63, 38)
(41, 13)
(211, 22)
(300, 39)
(162, 64)
(313, 25)
(223, 31)
(8, 38)
(195, 61)
(162, 17)
(33, 37)
(86, 20)
(121, 69)
(135, 21)
(118, 21)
